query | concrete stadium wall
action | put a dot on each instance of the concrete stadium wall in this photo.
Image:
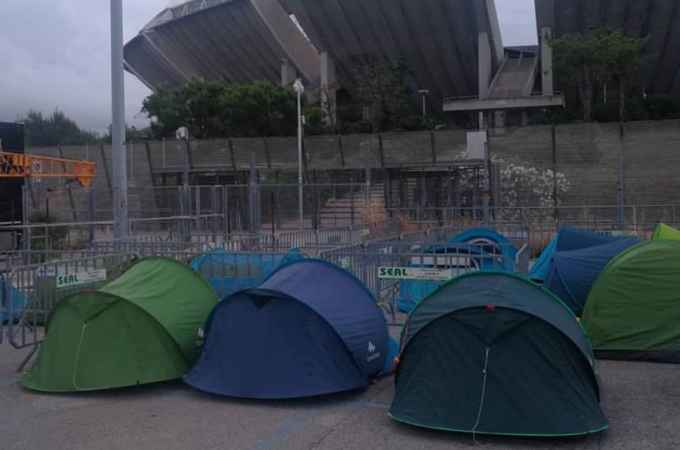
(588, 154)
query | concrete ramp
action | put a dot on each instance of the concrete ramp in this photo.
(516, 77)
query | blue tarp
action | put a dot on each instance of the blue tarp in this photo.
(232, 272)
(572, 273)
(310, 329)
(567, 239)
(12, 301)
(488, 250)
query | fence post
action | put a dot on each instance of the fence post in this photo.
(620, 198)
(367, 207)
(227, 222)
(187, 161)
(183, 194)
(164, 158)
(252, 196)
(197, 207)
(71, 201)
(556, 213)
(351, 203)
(433, 146)
(213, 210)
(341, 151)
(92, 212)
(26, 220)
(105, 164)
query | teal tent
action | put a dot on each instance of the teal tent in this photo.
(493, 353)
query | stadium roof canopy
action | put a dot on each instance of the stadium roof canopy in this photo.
(246, 40)
(233, 40)
(437, 39)
(655, 20)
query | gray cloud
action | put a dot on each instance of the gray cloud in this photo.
(55, 54)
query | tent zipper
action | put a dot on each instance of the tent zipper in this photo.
(483, 395)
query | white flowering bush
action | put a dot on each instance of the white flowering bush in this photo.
(522, 185)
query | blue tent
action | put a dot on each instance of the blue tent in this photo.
(310, 329)
(572, 273)
(12, 301)
(487, 250)
(491, 243)
(232, 272)
(567, 239)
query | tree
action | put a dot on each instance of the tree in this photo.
(600, 56)
(620, 56)
(211, 109)
(56, 129)
(258, 109)
(166, 109)
(384, 90)
(132, 134)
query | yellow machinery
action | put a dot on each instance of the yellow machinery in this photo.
(18, 165)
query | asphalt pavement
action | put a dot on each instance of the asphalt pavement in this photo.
(641, 400)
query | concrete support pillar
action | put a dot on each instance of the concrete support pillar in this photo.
(485, 61)
(328, 90)
(483, 125)
(547, 62)
(288, 73)
(485, 65)
(499, 119)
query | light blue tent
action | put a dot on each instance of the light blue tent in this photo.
(491, 243)
(567, 239)
(477, 249)
(12, 301)
(229, 273)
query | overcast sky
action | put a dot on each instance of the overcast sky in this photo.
(55, 54)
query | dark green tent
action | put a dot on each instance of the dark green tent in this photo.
(141, 328)
(493, 353)
(633, 310)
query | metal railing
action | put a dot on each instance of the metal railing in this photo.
(424, 250)
(31, 292)
(30, 272)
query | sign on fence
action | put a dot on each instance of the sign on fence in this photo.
(415, 273)
(81, 278)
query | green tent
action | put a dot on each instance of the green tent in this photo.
(633, 310)
(141, 328)
(493, 353)
(665, 233)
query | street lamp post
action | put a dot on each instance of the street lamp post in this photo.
(424, 93)
(300, 90)
(121, 225)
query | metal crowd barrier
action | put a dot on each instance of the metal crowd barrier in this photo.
(31, 292)
(384, 266)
